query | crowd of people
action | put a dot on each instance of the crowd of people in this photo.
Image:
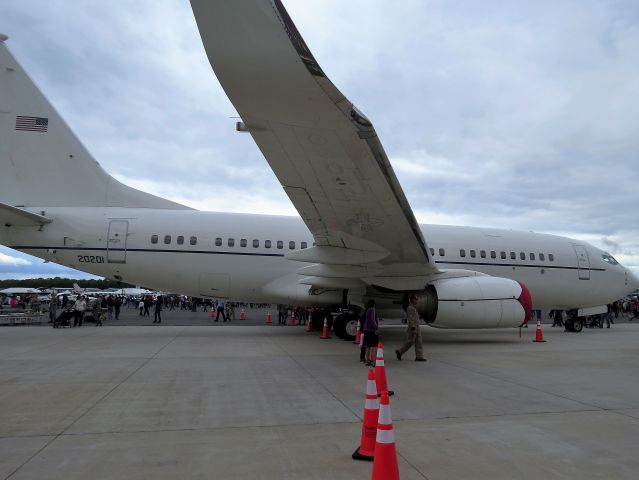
(22, 302)
(287, 312)
(108, 307)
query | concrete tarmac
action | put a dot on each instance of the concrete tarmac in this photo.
(270, 402)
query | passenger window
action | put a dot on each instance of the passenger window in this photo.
(432, 252)
(193, 240)
(482, 253)
(180, 240)
(267, 244)
(542, 257)
(462, 253)
(231, 242)
(154, 239)
(167, 239)
(513, 255)
(522, 255)
(473, 254)
(218, 242)
(503, 255)
(304, 245)
(291, 245)
(532, 256)
(493, 254)
(441, 252)
(280, 244)
(243, 242)
(551, 257)
(256, 243)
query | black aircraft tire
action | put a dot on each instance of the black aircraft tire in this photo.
(577, 325)
(339, 326)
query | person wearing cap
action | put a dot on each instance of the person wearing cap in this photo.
(80, 307)
(413, 333)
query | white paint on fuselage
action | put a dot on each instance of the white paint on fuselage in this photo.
(244, 271)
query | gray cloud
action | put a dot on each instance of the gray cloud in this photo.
(520, 115)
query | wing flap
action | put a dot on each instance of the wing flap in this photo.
(330, 282)
(339, 271)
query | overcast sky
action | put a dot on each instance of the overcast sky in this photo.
(519, 115)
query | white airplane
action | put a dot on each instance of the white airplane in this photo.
(357, 237)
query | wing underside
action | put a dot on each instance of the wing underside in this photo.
(323, 150)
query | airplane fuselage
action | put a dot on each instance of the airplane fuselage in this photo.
(242, 256)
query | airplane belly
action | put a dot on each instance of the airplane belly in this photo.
(201, 274)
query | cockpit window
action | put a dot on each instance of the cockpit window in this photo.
(609, 259)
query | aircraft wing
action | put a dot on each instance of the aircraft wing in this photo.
(323, 150)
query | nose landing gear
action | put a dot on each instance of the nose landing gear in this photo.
(574, 323)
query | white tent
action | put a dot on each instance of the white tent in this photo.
(19, 291)
(134, 291)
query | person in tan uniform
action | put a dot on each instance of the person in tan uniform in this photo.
(413, 333)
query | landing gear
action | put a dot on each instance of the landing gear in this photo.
(577, 325)
(574, 323)
(344, 323)
(345, 326)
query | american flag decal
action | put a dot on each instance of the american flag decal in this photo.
(32, 124)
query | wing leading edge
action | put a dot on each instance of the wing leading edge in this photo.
(323, 150)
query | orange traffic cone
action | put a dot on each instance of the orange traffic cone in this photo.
(269, 318)
(325, 330)
(385, 464)
(212, 312)
(358, 335)
(309, 326)
(242, 315)
(380, 372)
(539, 335)
(366, 449)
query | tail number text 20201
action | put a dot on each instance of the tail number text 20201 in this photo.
(91, 258)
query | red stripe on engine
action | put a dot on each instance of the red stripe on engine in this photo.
(525, 299)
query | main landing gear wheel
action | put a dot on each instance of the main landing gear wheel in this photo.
(345, 326)
(351, 328)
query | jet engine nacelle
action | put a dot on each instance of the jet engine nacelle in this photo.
(475, 302)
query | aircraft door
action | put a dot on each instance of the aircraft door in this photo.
(583, 262)
(116, 241)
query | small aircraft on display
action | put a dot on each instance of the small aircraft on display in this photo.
(356, 238)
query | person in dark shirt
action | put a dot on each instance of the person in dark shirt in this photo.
(158, 308)
(371, 333)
